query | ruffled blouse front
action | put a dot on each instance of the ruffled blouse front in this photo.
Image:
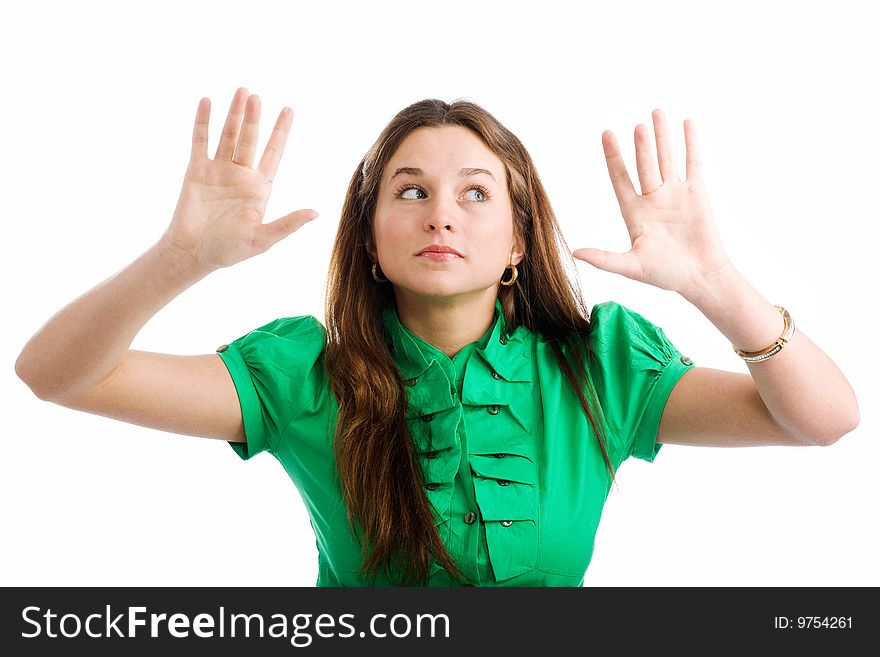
(511, 466)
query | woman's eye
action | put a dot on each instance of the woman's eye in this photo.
(481, 194)
(408, 190)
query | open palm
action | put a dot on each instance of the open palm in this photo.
(675, 243)
(219, 216)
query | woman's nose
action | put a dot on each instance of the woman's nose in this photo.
(441, 215)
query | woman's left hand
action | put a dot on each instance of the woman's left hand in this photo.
(675, 243)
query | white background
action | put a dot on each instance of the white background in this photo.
(98, 105)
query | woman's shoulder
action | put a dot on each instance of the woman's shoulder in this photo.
(612, 322)
(624, 340)
(292, 328)
(299, 337)
(603, 310)
(607, 320)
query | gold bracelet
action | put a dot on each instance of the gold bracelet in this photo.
(776, 347)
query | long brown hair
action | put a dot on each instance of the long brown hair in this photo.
(379, 470)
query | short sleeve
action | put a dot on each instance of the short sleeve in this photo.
(634, 368)
(276, 369)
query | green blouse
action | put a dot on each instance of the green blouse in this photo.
(510, 462)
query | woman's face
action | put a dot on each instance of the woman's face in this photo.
(443, 186)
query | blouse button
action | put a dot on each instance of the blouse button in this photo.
(495, 375)
(503, 482)
(470, 517)
(506, 523)
(433, 455)
(431, 486)
(503, 339)
(411, 382)
(498, 456)
(494, 409)
(428, 417)
(222, 348)
(686, 361)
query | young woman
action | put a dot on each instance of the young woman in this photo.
(460, 415)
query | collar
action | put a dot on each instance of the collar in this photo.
(502, 350)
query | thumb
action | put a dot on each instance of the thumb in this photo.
(616, 263)
(281, 228)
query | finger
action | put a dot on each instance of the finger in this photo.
(275, 145)
(229, 135)
(616, 263)
(247, 142)
(649, 175)
(280, 228)
(665, 156)
(694, 168)
(200, 131)
(620, 180)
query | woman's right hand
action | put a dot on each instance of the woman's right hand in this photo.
(219, 216)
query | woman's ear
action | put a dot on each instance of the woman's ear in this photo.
(371, 251)
(517, 257)
(516, 251)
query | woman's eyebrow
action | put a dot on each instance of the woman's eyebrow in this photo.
(468, 171)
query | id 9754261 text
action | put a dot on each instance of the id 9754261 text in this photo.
(812, 622)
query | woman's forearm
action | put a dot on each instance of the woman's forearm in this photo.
(804, 390)
(85, 340)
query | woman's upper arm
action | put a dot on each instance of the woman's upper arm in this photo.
(190, 395)
(716, 408)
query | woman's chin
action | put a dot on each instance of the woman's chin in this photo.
(441, 288)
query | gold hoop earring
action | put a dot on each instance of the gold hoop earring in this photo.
(376, 276)
(513, 275)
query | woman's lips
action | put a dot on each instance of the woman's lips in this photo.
(438, 256)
